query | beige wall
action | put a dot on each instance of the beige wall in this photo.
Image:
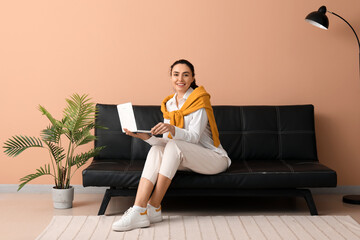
(245, 53)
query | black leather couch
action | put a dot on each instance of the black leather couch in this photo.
(272, 148)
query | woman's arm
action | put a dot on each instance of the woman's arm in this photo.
(143, 136)
(160, 128)
(152, 140)
(195, 128)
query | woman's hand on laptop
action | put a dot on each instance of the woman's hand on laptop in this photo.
(143, 136)
(162, 128)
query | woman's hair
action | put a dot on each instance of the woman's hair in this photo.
(183, 61)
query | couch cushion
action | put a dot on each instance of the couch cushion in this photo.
(241, 174)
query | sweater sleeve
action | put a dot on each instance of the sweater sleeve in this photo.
(195, 128)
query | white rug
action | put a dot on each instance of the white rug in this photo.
(207, 228)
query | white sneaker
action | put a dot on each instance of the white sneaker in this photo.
(154, 214)
(131, 219)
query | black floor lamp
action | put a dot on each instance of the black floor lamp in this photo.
(319, 19)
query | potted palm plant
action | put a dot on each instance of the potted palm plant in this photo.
(73, 130)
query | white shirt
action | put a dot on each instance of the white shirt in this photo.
(196, 128)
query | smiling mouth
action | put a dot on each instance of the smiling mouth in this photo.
(180, 84)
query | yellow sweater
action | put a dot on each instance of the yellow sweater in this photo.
(199, 98)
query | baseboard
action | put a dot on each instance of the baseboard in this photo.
(341, 190)
(42, 188)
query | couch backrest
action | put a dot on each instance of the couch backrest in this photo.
(246, 132)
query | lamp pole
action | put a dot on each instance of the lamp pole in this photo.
(357, 38)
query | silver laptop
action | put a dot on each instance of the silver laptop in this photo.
(127, 118)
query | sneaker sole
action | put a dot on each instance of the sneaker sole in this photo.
(156, 220)
(128, 228)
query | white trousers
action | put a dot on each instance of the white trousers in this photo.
(181, 155)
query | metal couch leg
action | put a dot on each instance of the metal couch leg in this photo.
(310, 201)
(105, 202)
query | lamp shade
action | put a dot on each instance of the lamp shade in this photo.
(318, 18)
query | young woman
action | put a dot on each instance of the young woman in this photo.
(190, 142)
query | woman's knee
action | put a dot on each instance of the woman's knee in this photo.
(173, 145)
(171, 159)
(172, 151)
(153, 162)
(157, 149)
(155, 153)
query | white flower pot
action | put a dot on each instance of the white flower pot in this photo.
(63, 198)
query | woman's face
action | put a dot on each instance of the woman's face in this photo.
(181, 78)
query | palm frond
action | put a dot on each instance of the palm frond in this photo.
(52, 134)
(56, 151)
(100, 127)
(86, 138)
(80, 159)
(45, 112)
(63, 121)
(39, 172)
(17, 144)
(82, 133)
(79, 112)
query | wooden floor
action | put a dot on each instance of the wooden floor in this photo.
(25, 215)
